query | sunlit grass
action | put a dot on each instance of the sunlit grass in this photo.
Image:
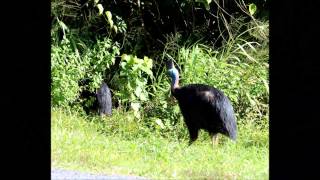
(78, 143)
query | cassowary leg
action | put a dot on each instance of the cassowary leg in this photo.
(215, 139)
(193, 135)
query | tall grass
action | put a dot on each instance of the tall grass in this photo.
(239, 69)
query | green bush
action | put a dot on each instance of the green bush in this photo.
(132, 81)
(66, 71)
(68, 67)
(98, 59)
(239, 67)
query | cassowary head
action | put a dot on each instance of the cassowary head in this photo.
(174, 74)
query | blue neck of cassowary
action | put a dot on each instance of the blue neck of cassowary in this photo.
(174, 74)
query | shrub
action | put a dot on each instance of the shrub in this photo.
(68, 67)
(132, 81)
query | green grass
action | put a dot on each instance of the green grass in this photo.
(111, 146)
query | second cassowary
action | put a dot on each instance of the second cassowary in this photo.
(104, 100)
(203, 107)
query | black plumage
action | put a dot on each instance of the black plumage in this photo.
(203, 107)
(104, 100)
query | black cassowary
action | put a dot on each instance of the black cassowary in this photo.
(104, 100)
(203, 107)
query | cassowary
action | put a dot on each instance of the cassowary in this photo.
(104, 100)
(203, 107)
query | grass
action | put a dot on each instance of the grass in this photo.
(79, 143)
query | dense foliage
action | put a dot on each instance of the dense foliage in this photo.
(125, 43)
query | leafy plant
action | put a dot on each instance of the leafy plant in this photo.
(69, 66)
(85, 38)
(132, 81)
(252, 8)
(98, 59)
(66, 71)
(119, 26)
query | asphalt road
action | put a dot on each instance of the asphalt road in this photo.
(59, 174)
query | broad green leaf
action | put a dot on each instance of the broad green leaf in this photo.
(164, 105)
(136, 60)
(135, 106)
(159, 122)
(148, 61)
(143, 97)
(138, 91)
(252, 8)
(130, 60)
(139, 82)
(129, 87)
(111, 23)
(109, 15)
(115, 28)
(99, 6)
(125, 57)
(117, 52)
